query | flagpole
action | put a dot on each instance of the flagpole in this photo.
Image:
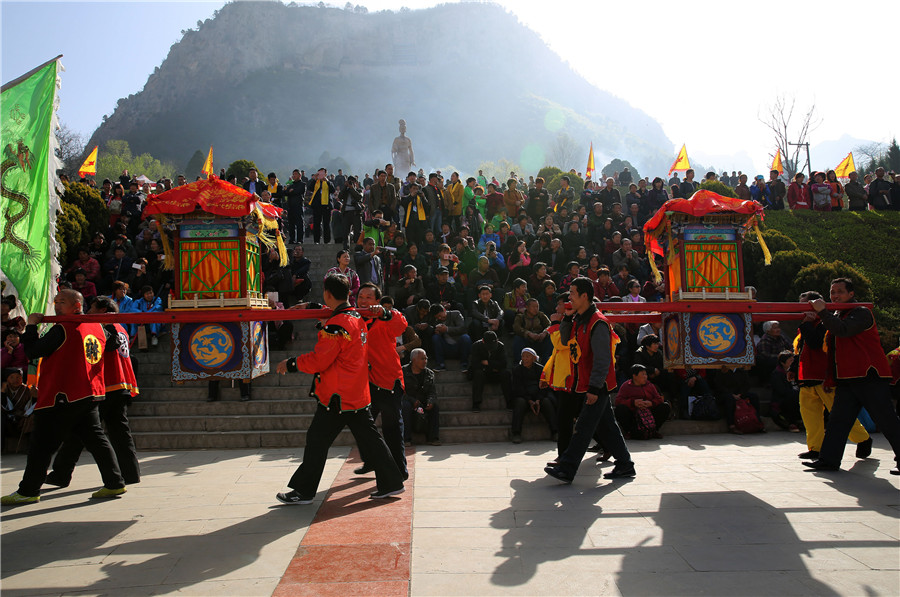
(18, 80)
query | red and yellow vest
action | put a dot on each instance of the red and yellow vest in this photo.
(118, 373)
(813, 363)
(75, 370)
(854, 356)
(583, 355)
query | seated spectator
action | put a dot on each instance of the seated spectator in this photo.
(488, 236)
(537, 279)
(640, 408)
(770, 346)
(483, 275)
(467, 256)
(84, 286)
(140, 275)
(650, 356)
(634, 293)
(626, 255)
(17, 401)
(447, 261)
(419, 407)
(692, 382)
(7, 305)
(415, 258)
(652, 327)
(343, 268)
(410, 288)
(486, 314)
(299, 267)
(731, 385)
(429, 248)
(443, 292)
(622, 278)
(418, 319)
(604, 287)
(573, 270)
(13, 352)
(555, 258)
(527, 394)
(523, 229)
(592, 270)
(496, 260)
(530, 330)
(612, 245)
(514, 302)
(281, 333)
(520, 260)
(450, 338)
(654, 291)
(572, 239)
(547, 298)
(118, 267)
(88, 264)
(148, 303)
(488, 364)
(785, 405)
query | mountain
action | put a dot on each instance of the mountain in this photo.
(828, 154)
(281, 84)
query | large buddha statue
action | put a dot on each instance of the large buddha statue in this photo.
(402, 153)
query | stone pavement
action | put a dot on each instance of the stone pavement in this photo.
(711, 514)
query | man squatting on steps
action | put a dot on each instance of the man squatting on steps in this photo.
(341, 387)
(385, 374)
(71, 384)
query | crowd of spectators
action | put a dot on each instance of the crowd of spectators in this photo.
(478, 267)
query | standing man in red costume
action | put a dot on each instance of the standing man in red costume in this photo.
(385, 374)
(341, 387)
(861, 374)
(70, 384)
(592, 344)
(121, 388)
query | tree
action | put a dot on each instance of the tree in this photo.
(779, 117)
(359, 9)
(618, 165)
(873, 154)
(194, 165)
(893, 156)
(116, 156)
(241, 169)
(564, 151)
(499, 170)
(70, 151)
(89, 204)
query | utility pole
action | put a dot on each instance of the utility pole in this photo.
(808, 165)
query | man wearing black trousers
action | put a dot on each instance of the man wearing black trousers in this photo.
(342, 391)
(320, 201)
(385, 373)
(71, 383)
(121, 388)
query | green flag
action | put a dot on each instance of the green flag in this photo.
(28, 248)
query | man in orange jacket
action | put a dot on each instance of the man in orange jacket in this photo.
(341, 387)
(861, 374)
(385, 373)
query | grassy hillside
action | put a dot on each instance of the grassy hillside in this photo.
(867, 241)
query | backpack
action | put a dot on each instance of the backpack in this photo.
(646, 424)
(745, 418)
(703, 408)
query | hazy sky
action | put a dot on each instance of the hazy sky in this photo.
(703, 69)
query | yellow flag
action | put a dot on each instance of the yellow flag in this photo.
(776, 163)
(846, 167)
(681, 162)
(589, 171)
(89, 167)
(207, 169)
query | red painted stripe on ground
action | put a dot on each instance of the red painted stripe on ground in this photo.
(355, 546)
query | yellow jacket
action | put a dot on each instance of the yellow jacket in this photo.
(557, 372)
(454, 193)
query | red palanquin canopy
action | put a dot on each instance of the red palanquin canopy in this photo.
(701, 203)
(212, 195)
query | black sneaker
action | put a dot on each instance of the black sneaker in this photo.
(293, 498)
(364, 469)
(380, 495)
(821, 465)
(864, 449)
(56, 480)
(623, 472)
(558, 474)
(811, 455)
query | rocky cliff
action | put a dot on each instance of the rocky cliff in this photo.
(281, 84)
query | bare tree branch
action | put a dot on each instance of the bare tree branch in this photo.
(779, 117)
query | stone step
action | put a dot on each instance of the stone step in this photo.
(229, 440)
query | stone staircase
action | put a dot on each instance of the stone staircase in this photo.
(173, 416)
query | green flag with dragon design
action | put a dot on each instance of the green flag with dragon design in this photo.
(28, 248)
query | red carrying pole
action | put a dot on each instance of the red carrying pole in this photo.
(760, 312)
